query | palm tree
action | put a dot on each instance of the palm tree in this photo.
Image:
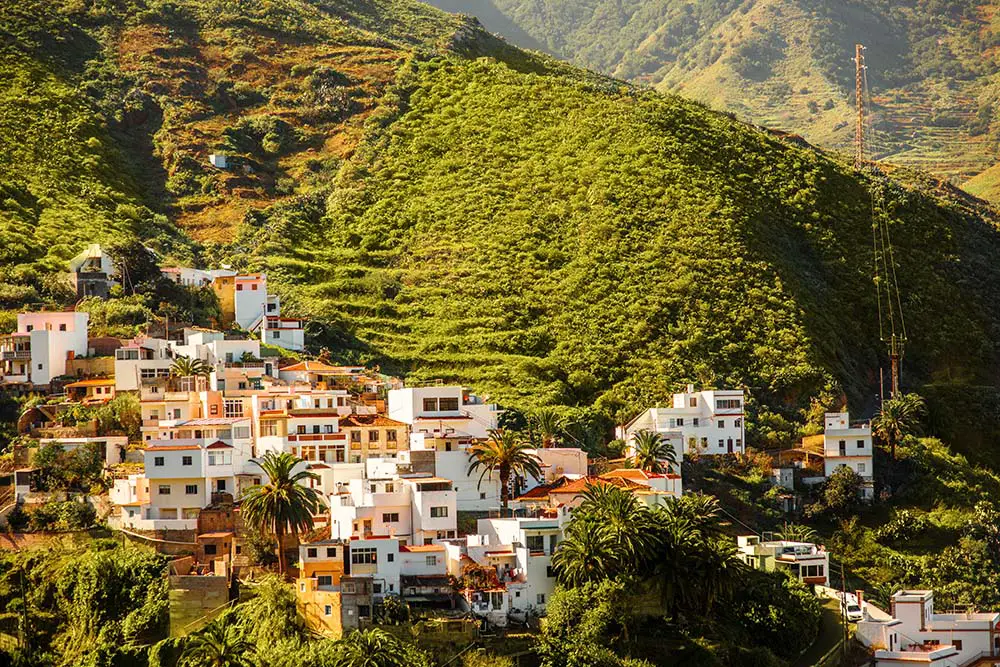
(796, 532)
(587, 553)
(651, 451)
(284, 504)
(506, 453)
(370, 648)
(187, 367)
(624, 518)
(899, 416)
(549, 424)
(678, 557)
(219, 644)
(722, 569)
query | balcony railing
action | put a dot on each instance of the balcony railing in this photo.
(10, 355)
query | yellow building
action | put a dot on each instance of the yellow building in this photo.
(374, 435)
(322, 560)
(320, 609)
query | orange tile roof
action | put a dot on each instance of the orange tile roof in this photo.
(171, 448)
(97, 382)
(416, 548)
(320, 367)
(632, 473)
(369, 420)
(580, 485)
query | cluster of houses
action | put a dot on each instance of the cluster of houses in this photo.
(390, 462)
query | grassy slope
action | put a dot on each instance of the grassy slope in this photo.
(932, 65)
(586, 240)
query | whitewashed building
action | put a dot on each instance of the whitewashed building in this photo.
(441, 411)
(916, 634)
(709, 422)
(849, 444)
(38, 350)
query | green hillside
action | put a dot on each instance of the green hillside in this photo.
(451, 207)
(932, 64)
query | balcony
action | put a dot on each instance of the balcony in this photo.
(15, 355)
(314, 437)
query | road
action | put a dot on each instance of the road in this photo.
(830, 634)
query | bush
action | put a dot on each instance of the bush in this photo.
(904, 526)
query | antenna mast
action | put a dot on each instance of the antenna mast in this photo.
(859, 127)
(892, 328)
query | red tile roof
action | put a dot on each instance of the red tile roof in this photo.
(369, 420)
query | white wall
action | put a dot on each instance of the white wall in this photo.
(470, 496)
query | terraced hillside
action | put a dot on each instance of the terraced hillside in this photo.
(451, 207)
(789, 64)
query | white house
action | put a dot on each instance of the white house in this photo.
(38, 350)
(416, 510)
(91, 271)
(806, 561)
(219, 160)
(709, 422)
(916, 634)
(379, 558)
(286, 332)
(442, 410)
(141, 359)
(847, 444)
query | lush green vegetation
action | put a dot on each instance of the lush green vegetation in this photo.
(932, 63)
(638, 579)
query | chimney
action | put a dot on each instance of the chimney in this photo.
(690, 389)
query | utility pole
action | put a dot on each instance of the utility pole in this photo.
(843, 610)
(859, 127)
(894, 354)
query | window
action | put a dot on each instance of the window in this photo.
(355, 436)
(722, 443)
(331, 552)
(673, 422)
(327, 610)
(390, 557)
(210, 550)
(62, 327)
(540, 598)
(390, 517)
(147, 373)
(275, 333)
(311, 552)
(30, 328)
(186, 461)
(861, 467)
(350, 588)
(482, 496)
(861, 444)
(957, 643)
(448, 405)
(239, 549)
(164, 489)
(739, 443)
(324, 580)
(190, 489)
(241, 432)
(390, 436)
(233, 408)
(727, 403)
(158, 461)
(315, 428)
(241, 385)
(239, 288)
(738, 423)
(389, 487)
(377, 588)
(373, 436)
(253, 287)
(430, 560)
(268, 428)
(722, 423)
(364, 611)
(220, 485)
(812, 571)
(300, 429)
(328, 428)
(364, 556)
(430, 405)
(536, 543)
(680, 421)
(693, 402)
(694, 421)
(439, 512)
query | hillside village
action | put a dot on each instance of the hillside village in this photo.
(409, 508)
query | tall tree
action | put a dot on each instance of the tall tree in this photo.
(626, 521)
(505, 453)
(219, 644)
(899, 417)
(549, 423)
(652, 451)
(586, 555)
(284, 505)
